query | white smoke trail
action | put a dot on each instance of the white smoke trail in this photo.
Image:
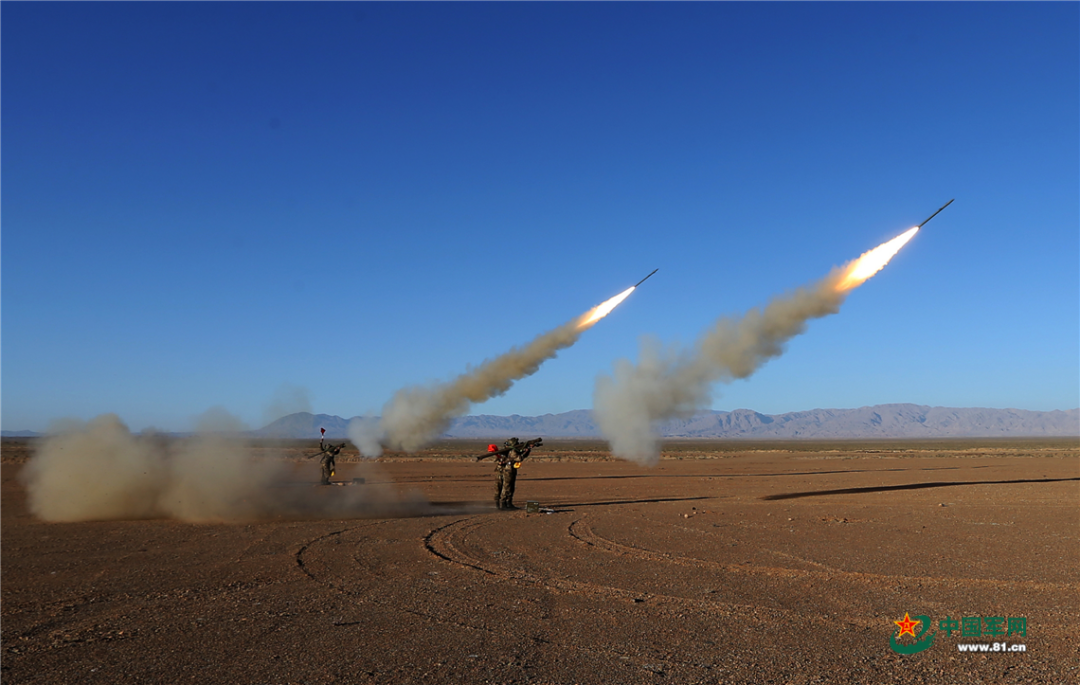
(669, 383)
(416, 416)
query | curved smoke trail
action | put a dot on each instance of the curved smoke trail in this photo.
(670, 383)
(416, 416)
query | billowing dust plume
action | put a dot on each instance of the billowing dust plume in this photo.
(670, 383)
(101, 470)
(416, 416)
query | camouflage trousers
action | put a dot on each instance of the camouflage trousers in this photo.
(506, 477)
(327, 469)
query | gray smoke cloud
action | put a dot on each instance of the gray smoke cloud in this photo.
(100, 470)
(670, 382)
(416, 416)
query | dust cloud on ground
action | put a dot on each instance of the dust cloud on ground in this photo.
(100, 470)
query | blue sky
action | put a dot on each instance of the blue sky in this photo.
(211, 204)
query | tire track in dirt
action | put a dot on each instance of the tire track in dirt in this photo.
(439, 543)
(299, 556)
(64, 614)
(583, 533)
(446, 543)
(359, 596)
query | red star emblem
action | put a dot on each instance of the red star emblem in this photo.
(907, 626)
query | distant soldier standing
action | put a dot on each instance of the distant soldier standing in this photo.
(329, 454)
(506, 467)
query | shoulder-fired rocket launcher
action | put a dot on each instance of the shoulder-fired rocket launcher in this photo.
(528, 444)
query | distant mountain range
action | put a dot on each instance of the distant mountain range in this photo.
(881, 421)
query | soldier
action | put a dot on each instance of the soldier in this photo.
(329, 453)
(506, 467)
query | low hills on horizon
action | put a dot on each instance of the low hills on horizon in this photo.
(880, 421)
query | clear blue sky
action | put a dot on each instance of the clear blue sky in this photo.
(206, 203)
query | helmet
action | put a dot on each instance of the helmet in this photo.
(511, 442)
(493, 448)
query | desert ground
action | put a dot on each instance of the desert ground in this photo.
(728, 562)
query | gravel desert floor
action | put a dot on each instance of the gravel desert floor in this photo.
(725, 563)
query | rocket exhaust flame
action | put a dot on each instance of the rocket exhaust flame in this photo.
(668, 382)
(589, 318)
(604, 308)
(874, 261)
(416, 416)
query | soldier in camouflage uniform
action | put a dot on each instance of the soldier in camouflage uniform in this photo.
(506, 467)
(329, 453)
